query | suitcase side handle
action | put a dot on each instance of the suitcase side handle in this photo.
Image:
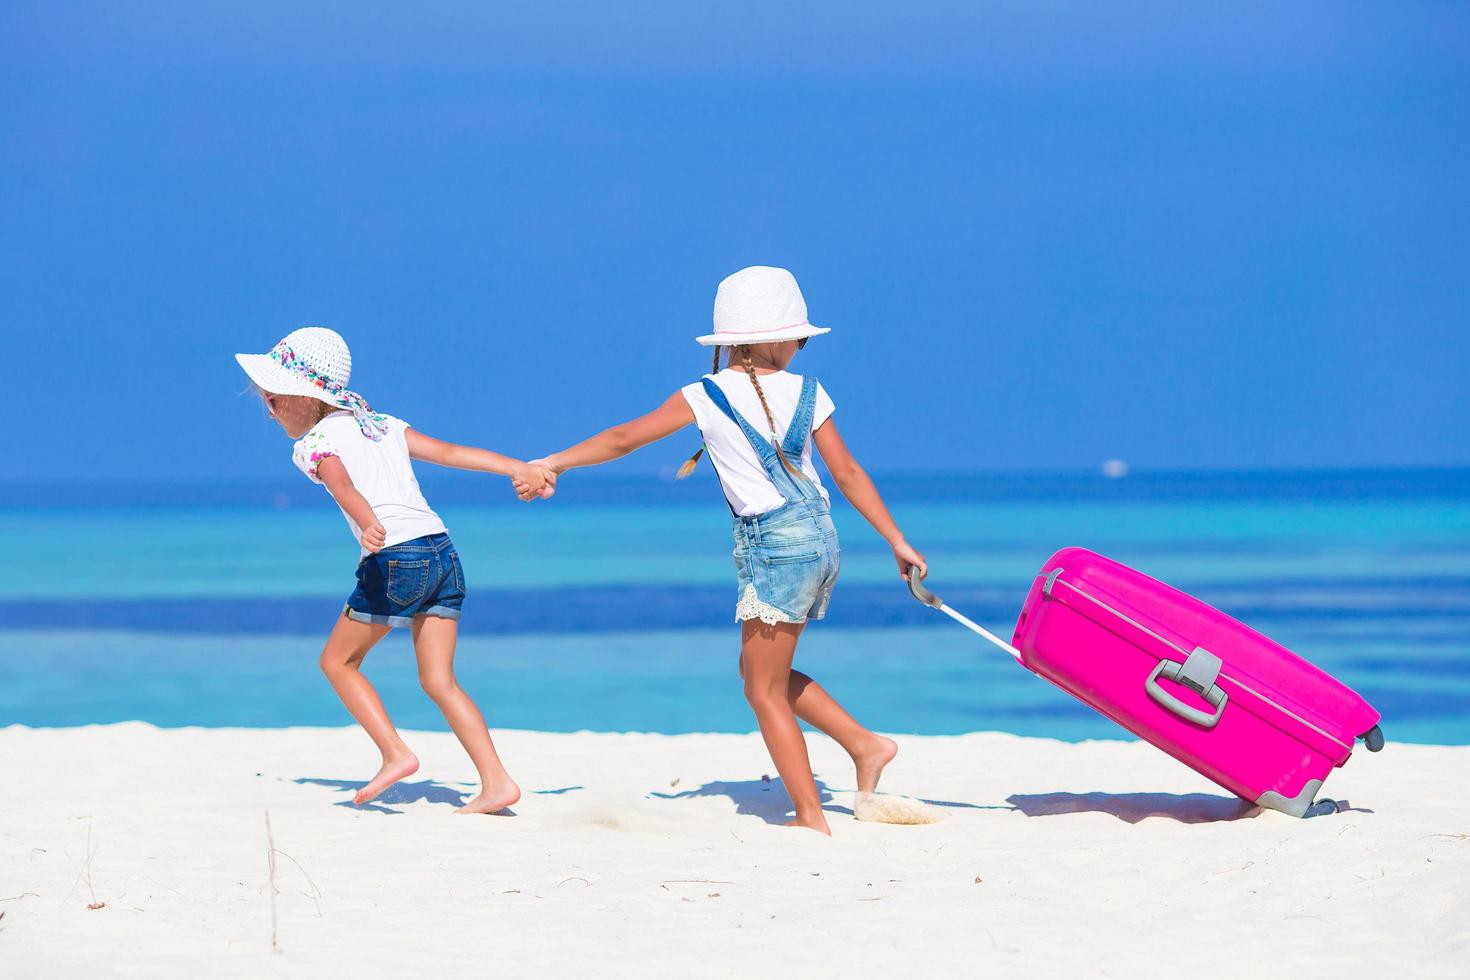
(1169, 670)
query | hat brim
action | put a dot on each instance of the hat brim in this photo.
(270, 376)
(762, 337)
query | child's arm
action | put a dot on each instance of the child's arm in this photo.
(442, 453)
(334, 477)
(858, 488)
(621, 440)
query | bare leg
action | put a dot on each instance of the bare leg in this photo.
(341, 661)
(433, 644)
(812, 704)
(765, 664)
(870, 752)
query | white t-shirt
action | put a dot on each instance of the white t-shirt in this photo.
(747, 486)
(381, 471)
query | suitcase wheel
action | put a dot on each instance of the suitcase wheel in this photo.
(1373, 738)
(1324, 808)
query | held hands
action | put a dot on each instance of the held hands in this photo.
(906, 554)
(373, 537)
(532, 480)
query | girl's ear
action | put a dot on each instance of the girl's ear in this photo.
(260, 395)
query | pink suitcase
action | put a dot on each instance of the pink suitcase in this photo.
(1213, 693)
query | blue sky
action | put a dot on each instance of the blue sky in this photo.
(1045, 234)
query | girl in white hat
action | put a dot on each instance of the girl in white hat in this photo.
(409, 574)
(759, 422)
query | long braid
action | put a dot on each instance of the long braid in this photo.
(693, 461)
(771, 419)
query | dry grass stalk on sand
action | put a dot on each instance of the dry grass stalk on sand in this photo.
(314, 894)
(270, 863)
(87, 874)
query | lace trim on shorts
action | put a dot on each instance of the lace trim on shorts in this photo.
(751, 607)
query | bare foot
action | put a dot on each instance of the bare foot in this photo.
(393, 770)
(493, 798)
(870, 762)
(818, 823)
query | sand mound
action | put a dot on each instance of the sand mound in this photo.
(884, 808)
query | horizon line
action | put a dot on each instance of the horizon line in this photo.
(664, 474)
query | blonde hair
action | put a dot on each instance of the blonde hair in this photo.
(693, 461)
(749, 365)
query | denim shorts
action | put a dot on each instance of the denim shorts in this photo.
(419, 577)
(787, 560)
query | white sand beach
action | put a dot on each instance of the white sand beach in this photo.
(654, 855)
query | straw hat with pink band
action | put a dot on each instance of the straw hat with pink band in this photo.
(759, 305)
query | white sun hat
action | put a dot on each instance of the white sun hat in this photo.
(314, 362)
(759, 304)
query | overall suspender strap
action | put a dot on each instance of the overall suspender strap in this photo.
(717, 396)
(801, 422)
(790, 488)
(762, 446)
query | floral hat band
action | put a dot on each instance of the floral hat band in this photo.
(316, 363)
(370, 422)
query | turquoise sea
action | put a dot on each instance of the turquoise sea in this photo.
(610, 607)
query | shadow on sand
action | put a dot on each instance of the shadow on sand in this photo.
(768, 799)
(962, 806)
(764, 798)
(1133, 807)
(425, 790)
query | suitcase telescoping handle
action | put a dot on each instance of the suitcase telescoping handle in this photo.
(916, 586)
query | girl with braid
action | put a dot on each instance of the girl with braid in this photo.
(759, 422)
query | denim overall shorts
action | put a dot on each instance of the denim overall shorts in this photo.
(787, 558)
